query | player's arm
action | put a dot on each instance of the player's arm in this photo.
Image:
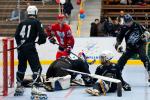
(50, 34)
(70, 38)
(120, 37)
(17, 35)
(41, 34)
(99, 71)
(70, 41)
(145, 33)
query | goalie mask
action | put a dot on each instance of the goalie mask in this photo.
(106, 56)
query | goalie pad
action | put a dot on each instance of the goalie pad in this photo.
(57, 83)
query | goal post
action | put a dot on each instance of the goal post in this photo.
(7, 64)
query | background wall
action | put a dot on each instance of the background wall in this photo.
(91, 46)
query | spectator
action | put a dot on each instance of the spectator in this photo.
(134, 2)
(101, 32)
(15, 15)
(121, 17)
(116, 27)
(108, 26)
(124, 2)
(94, 28)
(67, 8)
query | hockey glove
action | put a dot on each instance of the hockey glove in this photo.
(145, 36)
(118, 48)
(52, 40)
(68, 49)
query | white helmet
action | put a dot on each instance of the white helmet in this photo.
(107, 55)
(32, 10)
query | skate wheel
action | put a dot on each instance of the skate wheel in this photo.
(18, 94)
(32, 98)
(44, 97)
(35, 97)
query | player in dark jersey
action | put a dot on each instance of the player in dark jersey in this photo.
(136, 37)
(107, 69)
(25, 36)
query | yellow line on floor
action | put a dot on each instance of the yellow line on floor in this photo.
(48, 62)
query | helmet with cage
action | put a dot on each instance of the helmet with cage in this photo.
(32, 10)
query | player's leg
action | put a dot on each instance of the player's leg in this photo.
(51, 70)
(124, 58)
(35, 65)
(145, 59)
(20, 73)
(125, 85)
(99, 88)
(36, 68)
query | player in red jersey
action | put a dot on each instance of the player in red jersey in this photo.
(62, 32)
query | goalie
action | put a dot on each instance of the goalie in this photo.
(58, 79)
(107, 69)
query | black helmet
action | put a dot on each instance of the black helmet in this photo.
(128, 18)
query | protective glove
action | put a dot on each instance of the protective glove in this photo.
(52, 40)
(68, 49)
(145, 36)
(118, 48)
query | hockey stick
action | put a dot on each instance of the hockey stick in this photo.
(38, 76)
(17, 47)
(92, 62)
(119, 85)
(94, 76)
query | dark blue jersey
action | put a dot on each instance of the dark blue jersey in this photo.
(27, 32)
(132, 35)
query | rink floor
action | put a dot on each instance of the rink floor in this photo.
(135, 75)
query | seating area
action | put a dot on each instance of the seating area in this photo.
(47, 14)
(140, 13)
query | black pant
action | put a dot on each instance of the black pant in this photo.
(30, 55)
(130, 52)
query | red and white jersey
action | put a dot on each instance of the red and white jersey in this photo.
(63, 34)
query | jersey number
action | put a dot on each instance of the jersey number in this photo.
(23, 32)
